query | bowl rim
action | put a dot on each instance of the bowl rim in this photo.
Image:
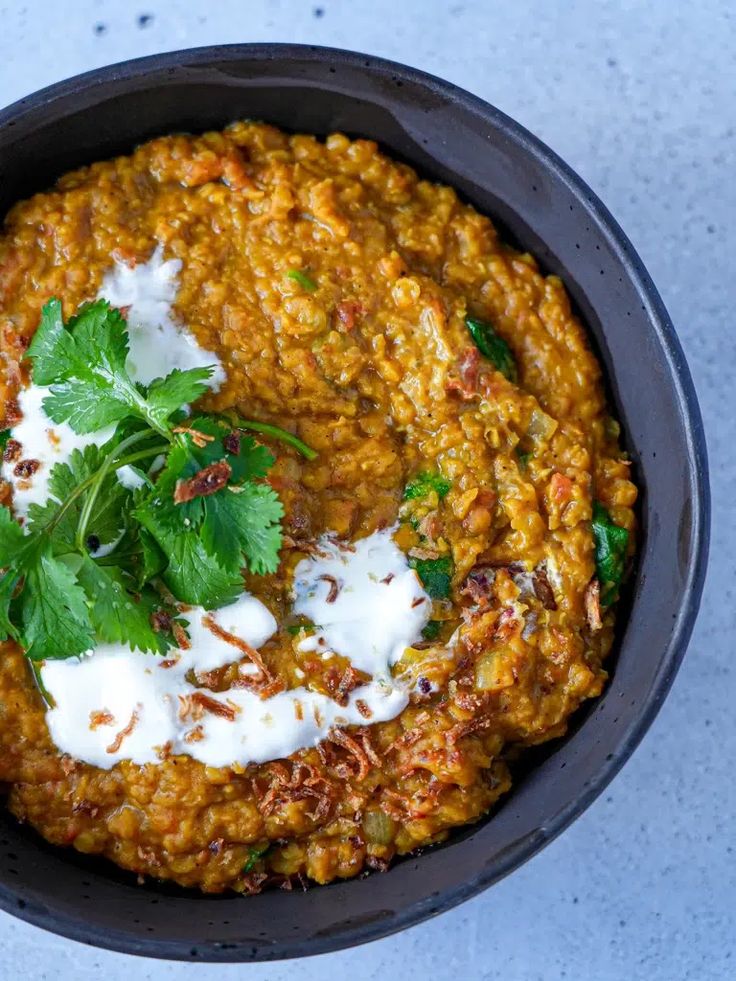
(692, 424)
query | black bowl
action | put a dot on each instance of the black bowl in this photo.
(541, 204)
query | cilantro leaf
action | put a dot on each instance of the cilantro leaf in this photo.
(492, 346)
(424, 483)
(192, 575)
(85, 405)
(181, 464)
(196, 578)
(244, 521)
(611, 543)
(250, 462)
(8, 585)
(99, 330)
(84, 363)
(56, 621)
(257, 516)
(12, 538)
(186, 458)
(117, 615)
(152, 561)
(52, 348)
(137, 554)
(167, 395)
(435, 574)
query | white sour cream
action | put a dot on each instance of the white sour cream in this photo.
(379, 608)
(157, 343)
(113, 689)
(44, 441)
(157, 346)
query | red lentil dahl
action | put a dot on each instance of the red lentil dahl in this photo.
(366, 357)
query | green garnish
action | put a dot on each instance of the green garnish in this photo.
(424, 483)
(296, 628)
(4, 437)
(611, 542)
(198, 518)
(277, 433)
(254, 854)
(523, 458)
(492, 346)
(432, 630)
(436, 575)
(304, 279)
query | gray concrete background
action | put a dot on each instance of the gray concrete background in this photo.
(639, 97)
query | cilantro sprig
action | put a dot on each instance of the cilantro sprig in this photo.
(198, 515)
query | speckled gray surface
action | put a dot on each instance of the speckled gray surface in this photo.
(639, 99)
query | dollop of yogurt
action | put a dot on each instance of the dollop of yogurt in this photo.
(114, 704)
(157, 343)
(43, 442)
(365, 601)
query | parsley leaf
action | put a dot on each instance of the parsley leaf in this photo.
(424, 483)
(492, 346)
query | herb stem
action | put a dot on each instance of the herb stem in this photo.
(81, 488)
(90, 503)
(42, 689)
(276, 432)
(100, 476)
(140, 455)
